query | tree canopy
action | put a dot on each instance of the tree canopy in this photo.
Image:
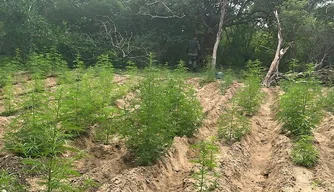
(129, 30)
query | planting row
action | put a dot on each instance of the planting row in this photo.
(46, 118)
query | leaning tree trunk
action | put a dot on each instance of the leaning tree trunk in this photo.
(273, 70)
(224, 4)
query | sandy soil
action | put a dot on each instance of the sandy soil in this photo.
(259, 163)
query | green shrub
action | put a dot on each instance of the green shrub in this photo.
(35, 131)
(206, 176)
(163, 110)
(227, 80)
(233, 125)
(249, 98)
(150, 132)
(109, 120)
(304, 153)
(9, 182)
(300, 107)
(48, 63)
(183, 107)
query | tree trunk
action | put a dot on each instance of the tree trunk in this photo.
(279, 54)
(224, 4)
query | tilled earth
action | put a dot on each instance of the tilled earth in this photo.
(260, 162)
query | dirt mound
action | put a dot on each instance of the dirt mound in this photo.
(324, 171)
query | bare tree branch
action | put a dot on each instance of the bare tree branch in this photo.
(173, 15)
(117, 41)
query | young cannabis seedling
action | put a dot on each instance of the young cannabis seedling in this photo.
(304, 153)
(206, 177)
(107, 123)
(227, 80)
(232, 125)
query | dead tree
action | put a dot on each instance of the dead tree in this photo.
(224, 4)
(118, 43)
(273, 70)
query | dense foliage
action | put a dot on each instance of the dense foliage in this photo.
(129, 30)
(166, 108)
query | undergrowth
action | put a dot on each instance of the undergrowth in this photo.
(9, 182)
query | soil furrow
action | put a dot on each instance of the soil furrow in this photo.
(173, 171)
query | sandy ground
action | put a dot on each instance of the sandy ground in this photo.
(260, 162)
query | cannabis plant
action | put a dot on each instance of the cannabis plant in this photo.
(232, 125)
(304, 153)
(150, 132)
(34, 132)
(227, 80)
(206, 176)
(329, 100)
(38, 63)
(58, 64)
(249, 98)
(108, 118)
(8, 97)
(183, 107)
(300, 107)
(165, 108)
(9, 182)
(9, 68)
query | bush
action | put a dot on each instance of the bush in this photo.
(300, 107)
(232, 125)
(249, 98)
(304, 153)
